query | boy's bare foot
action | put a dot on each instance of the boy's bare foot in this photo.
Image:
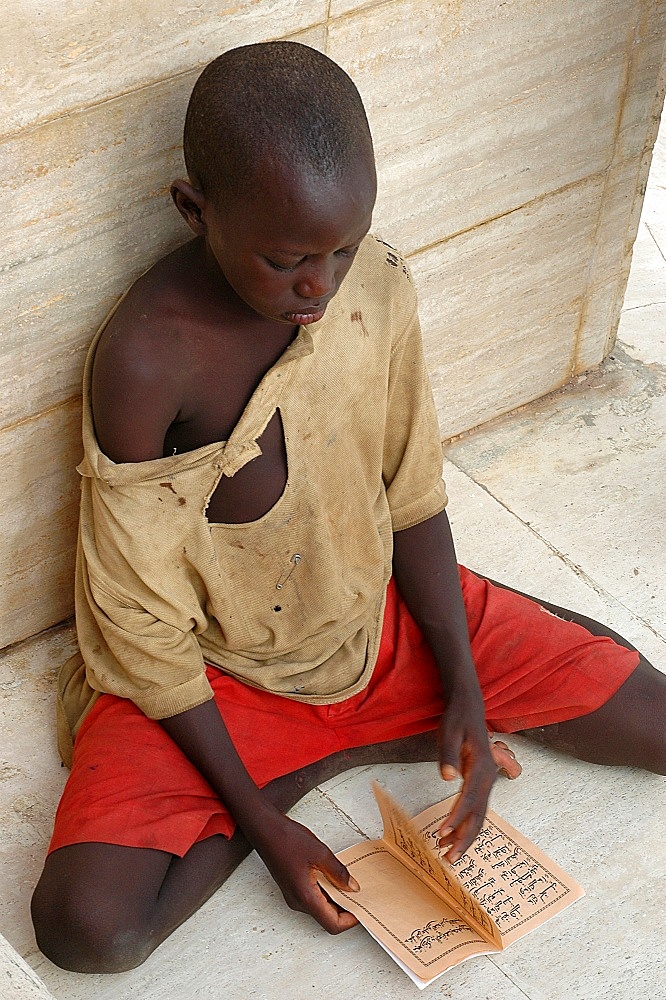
(505, 758)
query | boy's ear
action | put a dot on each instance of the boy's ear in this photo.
(191, 204)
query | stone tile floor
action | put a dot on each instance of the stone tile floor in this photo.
(564, 498)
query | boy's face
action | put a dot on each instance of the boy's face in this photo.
(286, 248)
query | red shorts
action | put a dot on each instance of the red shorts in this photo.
(131, 785)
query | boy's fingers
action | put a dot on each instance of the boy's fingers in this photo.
(331, 919)
(338, 875)
(449, 756)
(345, 919)
(463, 824)
(461, 837)
(458, 815)
(472, 799)
(327, 913)
(310, 898)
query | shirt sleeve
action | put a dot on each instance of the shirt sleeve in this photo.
(412, 460)
(138, 608)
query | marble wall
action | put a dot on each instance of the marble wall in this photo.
(513, 142)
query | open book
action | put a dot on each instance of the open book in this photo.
(430, 915)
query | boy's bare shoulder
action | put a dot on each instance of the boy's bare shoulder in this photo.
(156, 311)
(139, 365)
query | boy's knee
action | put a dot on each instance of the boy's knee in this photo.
(87, 936)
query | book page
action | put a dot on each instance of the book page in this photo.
(409, 920)
(510, 877)
(503, 874)
(404, 838)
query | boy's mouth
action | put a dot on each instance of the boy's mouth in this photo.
(307, 316)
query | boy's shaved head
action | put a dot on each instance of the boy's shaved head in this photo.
(276, 102)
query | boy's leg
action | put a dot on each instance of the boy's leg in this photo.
(105, 908)
(629, 729)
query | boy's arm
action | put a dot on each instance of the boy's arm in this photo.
(292, 854)
(134, 401)
(425, 569)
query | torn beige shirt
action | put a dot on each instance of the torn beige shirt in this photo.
(293, 602)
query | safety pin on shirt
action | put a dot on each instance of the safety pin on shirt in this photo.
(295, 559)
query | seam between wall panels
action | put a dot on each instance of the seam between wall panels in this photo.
(33, 417)
(196, 68)
(633, 216)
(45, 633)
(327, 21)
(83, 108)
(509, 211)
(582, 317)
(155, 82)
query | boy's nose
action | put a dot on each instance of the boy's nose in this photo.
(317, 283)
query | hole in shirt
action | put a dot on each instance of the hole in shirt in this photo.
(257, 487)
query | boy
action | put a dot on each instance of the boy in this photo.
(267, 590)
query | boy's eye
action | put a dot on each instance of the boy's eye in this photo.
(282, 267)
(344, 252)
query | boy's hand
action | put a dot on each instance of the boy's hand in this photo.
(294, 857)
(464, 751)
(425, 568)
(292, 854)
